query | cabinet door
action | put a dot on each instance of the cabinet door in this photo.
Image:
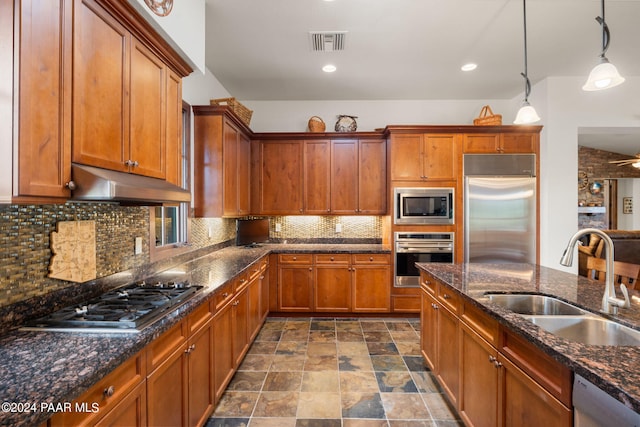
(428, 329)
(201, 381)
(254, 311)
(265, 293)
(174, 129)
(372, 177)
(240, 339)
(281, 178)
(332, 288)
(525, 402)
(100, 88)
(447, 347)
(167, 395)
(295, 288)
(371, 288)
(244, 175)
(440, 156)
(207, 165)
(344, 177)
(479, 378)
(223, 351)
(406, 157)
(147, 92)
(481, 143)
(130, 411)
(230, 169)
(44, 161)
(317, 181)
(519, 142)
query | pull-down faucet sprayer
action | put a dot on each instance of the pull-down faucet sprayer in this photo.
(610, 302)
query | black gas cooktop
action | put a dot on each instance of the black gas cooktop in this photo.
(126, 309)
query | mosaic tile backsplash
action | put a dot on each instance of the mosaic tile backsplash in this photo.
(25, 232)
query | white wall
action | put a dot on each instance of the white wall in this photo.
(566, 108)
(183, 29)
(198, 89)
(292, 116)
(629, 187)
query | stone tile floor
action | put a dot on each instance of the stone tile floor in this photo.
(325, 372)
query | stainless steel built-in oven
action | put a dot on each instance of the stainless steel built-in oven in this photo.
(411, 248)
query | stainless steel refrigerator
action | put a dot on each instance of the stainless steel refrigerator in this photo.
(500, 208)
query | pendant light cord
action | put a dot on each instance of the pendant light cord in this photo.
(606, 35)
(527, 84)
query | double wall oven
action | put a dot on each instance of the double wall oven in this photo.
(411, 248)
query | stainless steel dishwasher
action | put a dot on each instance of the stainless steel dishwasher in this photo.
(595, 408)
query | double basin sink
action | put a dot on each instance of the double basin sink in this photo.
(566, 320)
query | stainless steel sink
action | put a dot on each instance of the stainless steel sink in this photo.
(589, 329)
(533, 304)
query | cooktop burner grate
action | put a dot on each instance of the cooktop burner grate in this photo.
(127, 309)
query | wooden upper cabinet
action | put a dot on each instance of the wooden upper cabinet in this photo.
(174, 129)
(281, 177)
(101, 48)
(372, 176)
(125, 97)
(317, 176)
(221, 164)
(147, 137)
(500, 143)
(344, 177)
(44, 97)
(419, 157)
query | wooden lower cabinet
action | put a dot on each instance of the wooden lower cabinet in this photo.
(130, 411)
(201, 367)
(338, 283)
(223, 353)
(492, 376)
(167, 391)
(240, 318)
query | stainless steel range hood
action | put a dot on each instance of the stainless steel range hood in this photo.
(96, 184)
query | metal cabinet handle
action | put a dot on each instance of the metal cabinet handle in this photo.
(225, 294)
(71, 185)
(109, 391)
(446, 296)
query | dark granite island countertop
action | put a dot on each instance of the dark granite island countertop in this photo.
(613, 369)
(41, 368)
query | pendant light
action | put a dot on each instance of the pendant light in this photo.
(526, 114)
(605, 74)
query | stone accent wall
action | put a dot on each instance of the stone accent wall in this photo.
(324, 227)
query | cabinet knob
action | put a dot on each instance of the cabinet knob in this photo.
(332, 258)
(225, 294)
(446, 296)
(295, 258)
(370, 258)
(71, 185)
(109, 391)
(310, 269)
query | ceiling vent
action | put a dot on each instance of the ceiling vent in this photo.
(327, 41)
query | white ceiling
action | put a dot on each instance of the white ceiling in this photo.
(410, 49)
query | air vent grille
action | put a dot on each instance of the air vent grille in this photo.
(327, 41)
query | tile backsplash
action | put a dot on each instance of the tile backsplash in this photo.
(25, 232)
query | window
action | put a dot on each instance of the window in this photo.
(170, 222)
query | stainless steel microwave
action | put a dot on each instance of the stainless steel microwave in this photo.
(421, 205)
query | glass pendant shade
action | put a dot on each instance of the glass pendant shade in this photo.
(527, 114)
(603, 76)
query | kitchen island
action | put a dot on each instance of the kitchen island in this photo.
(43, 372)
(611, 368)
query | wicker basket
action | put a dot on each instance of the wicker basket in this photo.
(487, 118)
(316, 124)
(240, 110)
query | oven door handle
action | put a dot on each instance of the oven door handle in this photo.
(427, 250)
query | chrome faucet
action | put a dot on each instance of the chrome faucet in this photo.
(610, 302)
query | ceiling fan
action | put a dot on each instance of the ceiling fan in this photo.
(635, 162)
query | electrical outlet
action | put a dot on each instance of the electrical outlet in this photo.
(138, 249)
(338, 228)
(210, 232)
(278, 227)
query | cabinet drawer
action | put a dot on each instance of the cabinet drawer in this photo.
(295, 259)
(106, 393)
(371, 259)
(224, 294)
(428, 282)
(241, 282)
(199, 317)
(160, 349)
(333, 259)
(481, 323)
(449, 297)
(546, 371)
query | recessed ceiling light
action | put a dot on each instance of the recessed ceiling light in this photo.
(329, 68)
(469, 67)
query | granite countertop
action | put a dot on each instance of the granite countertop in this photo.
(612, 368)
(56, 367)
